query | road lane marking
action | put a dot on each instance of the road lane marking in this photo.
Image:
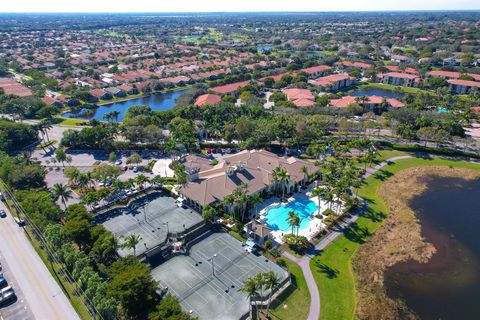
(32, 274)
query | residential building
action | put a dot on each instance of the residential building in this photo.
(399, 79)
(300, 97)
(333, 82)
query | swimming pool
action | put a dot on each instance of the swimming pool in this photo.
(276, 217)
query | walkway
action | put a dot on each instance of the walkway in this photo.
(304, 261)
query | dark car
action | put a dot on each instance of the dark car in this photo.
(3, 214)
(3, 282)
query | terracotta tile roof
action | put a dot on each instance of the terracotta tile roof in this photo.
(373, 100)
(331, 79)
(316, 69)
(230, 87)
(466, 83)
(207, 99)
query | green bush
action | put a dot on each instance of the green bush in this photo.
(268, 244)
(299, 244)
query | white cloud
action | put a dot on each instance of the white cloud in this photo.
(233, 6)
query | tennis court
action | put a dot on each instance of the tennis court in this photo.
(149, 217)
(190, 278)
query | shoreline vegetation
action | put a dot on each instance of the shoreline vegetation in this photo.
(398, 239)
(342, 284)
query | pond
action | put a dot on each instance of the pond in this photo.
(158, 102)
(448, 285)
(376, 92)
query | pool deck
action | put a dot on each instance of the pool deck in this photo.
(314, 226)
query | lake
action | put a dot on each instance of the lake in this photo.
(448, 285)
(158, 102)
(376, 92)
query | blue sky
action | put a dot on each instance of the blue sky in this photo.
(229, 5)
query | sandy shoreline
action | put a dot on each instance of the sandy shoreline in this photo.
(398, 239)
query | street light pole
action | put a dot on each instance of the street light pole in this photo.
(166, 223)
(213, 265)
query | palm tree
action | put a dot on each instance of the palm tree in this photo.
(256, 199)
(293, 219)
(46, 125)
(271, 281)
(115, 115)
(296, 222)
(61, 191)
(304, 170)
(131, 242)
(319, 193)
(141, 180)
(84, 180)
(157, 180)
(241, 198)
(280, 176)
(251, 288)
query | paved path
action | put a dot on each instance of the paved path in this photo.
(304, 261)
(43, 295)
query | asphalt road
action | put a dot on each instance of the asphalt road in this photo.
(18, 308)
(43, 295)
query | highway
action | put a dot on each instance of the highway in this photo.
(40, 290)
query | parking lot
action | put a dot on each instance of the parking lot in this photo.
(18, 309)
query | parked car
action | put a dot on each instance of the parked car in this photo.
(3, 214)
(118, 162)
(135, 169)
(7, 294)
(124, 168)
(3, 282)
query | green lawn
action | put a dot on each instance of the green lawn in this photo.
(71, 121)
(294, 303)
(332, 268)
(392, 87)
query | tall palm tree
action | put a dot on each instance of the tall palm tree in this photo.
(251, 288)
(280, 176)
(241, 198)
(84, 180)
(46, 125)
(63, 192)
(272, 281)
(318, 192)
(293, 219)
(141, 179)
(131, 242)
(256, 199)
(115, 115)
(158, 180)
(304, 170)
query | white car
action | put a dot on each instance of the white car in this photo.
(118, 162)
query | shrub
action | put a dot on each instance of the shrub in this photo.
(274, 252)
(268, 244)
(299, 244)
(281, 262)
(327, 212)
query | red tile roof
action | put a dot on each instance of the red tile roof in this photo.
(230, 87)
(331, 79)
(207, 99)
(316, 69)
(466, 83)
(347, 100)
(351, 64)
